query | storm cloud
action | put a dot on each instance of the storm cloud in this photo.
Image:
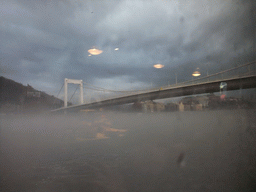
(43, 42)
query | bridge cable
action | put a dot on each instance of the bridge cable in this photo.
(134, 91)
(58, 94)
(109, 90)
(96, 89)
(60, 89)
(73, 93)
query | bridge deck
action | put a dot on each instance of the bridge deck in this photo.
(234, 83)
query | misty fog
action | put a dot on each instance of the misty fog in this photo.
(177, 151)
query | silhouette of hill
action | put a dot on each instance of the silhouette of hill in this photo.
(15, 97)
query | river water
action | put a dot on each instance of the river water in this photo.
(178, 151)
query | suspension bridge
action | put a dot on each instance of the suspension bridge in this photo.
(241, 77)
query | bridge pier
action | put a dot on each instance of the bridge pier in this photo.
(73, 81)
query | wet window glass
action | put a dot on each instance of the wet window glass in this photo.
(125, 95)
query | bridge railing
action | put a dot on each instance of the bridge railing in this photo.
(247, 69)
(239, 71)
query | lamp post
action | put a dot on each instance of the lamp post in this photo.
(157, 66)
(196, 73)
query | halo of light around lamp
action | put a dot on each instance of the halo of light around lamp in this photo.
(95, 51)
(196, 73)
(158, 66)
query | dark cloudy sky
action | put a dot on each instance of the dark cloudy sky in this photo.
(45, 41)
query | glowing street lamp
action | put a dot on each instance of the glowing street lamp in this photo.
(95, 51)
(158, 66)
(196, 73)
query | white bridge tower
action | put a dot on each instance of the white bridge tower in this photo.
(73, 81)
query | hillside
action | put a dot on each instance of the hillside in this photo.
(15, 97)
